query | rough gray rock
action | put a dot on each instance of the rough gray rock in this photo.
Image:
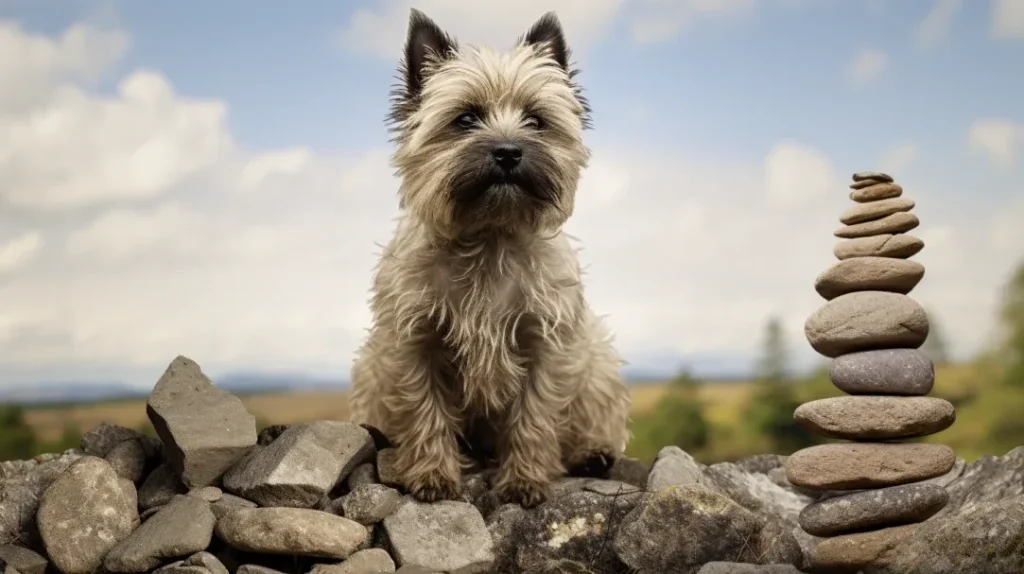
(85, 513)
(743, 568)
(181, 528)
(370, 503)
(299, 531)
(302, 465)
(369, 561)
(448, 536)
(883, 372)
(160, 487)
(893, 506)
(205, 430)
(365, 473)
(23, 560)
(128, 459)
(103, 438)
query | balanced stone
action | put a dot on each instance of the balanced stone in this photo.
(876, 417)
(876, 192)
(869, 274)
(205, 430)
(883, 372)
(848, 552)
(899, 246)
(875, 210)
(853, 466)
(872, 175)
(893, 506)
(896, 223)
(866, 320)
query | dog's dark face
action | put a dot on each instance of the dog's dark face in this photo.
(488, 140)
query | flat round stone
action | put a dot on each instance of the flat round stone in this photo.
(871, 211)
(895, 223)
(876, 417)
(876, 175)
(854, 466)
(893, 506)
(869, 274)
(850, 552)
(861, 184)
(876, 192)
(898, 246)
(907, 372)
(865, 321)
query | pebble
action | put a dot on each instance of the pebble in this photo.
(852, 466)
(207, 493)
(128, 459)
(908, 372)
(370, 503)
(866, 320)
(85, 513)
(876, 417)
(182, 528)
(875, 210)
(875, 175)
(298, 531)
(876, 192)
(895, 223)
(893, 506)
(445, 536)
(369, 561)
(204, 428)
(302, 465)
(898, 246)
(869, 274)
(860, 549)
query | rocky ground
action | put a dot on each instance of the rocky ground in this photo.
(212, 496)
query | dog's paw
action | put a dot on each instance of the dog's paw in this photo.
(524, 493)
(434, 487)
(597, 464)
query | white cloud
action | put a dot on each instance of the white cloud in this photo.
(937, 24)
(659, 20)
(796, 173)
(381, 30)
(19, 251)
(1008, 19)
(867, 65)
(263, 261)
(996, 138)
(897, 159)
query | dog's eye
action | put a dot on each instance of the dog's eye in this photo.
(533, 122)
(466, 120)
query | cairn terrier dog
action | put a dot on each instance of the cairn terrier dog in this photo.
(482, 346)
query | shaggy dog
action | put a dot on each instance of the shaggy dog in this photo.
(482, 345)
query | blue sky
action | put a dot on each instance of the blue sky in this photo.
(689, 115)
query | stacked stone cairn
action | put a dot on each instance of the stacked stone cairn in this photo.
(878, 484)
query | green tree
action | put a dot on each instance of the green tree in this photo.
(17, 441)
(1012, 325)
(677, 420)
(774, 398)
(935, 346)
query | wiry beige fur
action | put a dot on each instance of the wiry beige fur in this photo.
(480, 325)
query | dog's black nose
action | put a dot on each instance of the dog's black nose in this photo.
(507, 155)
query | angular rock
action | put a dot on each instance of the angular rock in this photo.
(447, 536)
(674, 466)
(160, 487)
(18, 506)
(23, 560)
(869, 274)
(871, 175)
(302, 465)
(899, 246)
(610, 487)
(128, 459)
(270, 434)
(182, 528)
(103, 438)
(205, 430)
(365, 473)
(84, 514)
(369, 561)
(744, 568)
(876, 192)
(630, 470)
(893, 506)
(896, 223)
(299, 531)
(866, 320)
(903, 372)
(370, 503)
(386, 470)
(875, 417)
(850, 552)
(850, 466)
(715, 527)
(875, 210)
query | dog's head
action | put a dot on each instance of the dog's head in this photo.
(487, 140)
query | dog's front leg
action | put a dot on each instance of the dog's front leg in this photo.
(425, 425)
(530, 455)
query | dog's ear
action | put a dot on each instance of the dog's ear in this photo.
(425, 43)
(549, 30)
